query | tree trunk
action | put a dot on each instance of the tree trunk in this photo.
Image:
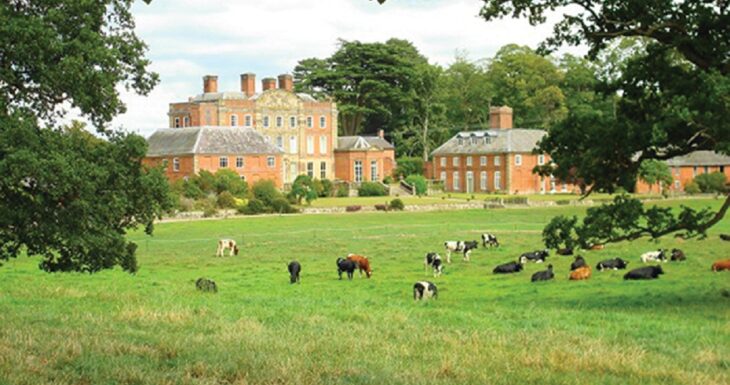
(425, 138)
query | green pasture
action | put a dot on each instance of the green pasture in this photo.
(155, 328)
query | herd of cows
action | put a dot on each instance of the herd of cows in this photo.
(579, 268)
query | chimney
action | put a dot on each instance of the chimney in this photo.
(268, 83)
(500, 117)
(286, 82)
(248, 84)
(381, 134)
(210, 83)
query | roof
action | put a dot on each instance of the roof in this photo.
(699, 158)
(354, 143)
(208, 140)
(237, 95)
(491, 141)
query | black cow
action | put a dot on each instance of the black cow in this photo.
(647, 272)
(538, 256)
(678, 255)
(725, 237)
(468, 247)
(205, 284)
(346, 265)
(507, 268)
(424, 290)
(565, 251)
(294, 269)
(489, 239)
(434, 260)
(544, 275)
(612, 264)
(579, 262)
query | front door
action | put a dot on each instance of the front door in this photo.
(469, 182)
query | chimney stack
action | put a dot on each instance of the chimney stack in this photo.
(248, 84)
(381, 134)
(500, 117)
(268, 83)
(210, 83)
(286, 82)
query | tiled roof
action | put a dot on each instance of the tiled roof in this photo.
(349, 143)
(208, 140)
(491, 141)
(237, 95)
(699, 158)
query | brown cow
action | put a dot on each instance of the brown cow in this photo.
(597, 247)
(580, 273)
(723, 264)
(362, 263)
(224, 244)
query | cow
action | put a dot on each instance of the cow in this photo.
(580, 273)
(538, 256)
(345, 265)
(597, 246)
(294, 269)
(646, 272)
(723, 264)
(452, 246)
(507, 268)
(468, 247)
(544, 275)
(579, 262)
(612, 264)
(489, 239)
(725, 237)
(424, 290)
(654, 256)
(434, 260)
(565, 251)
(224, 244)
(206, 285)
(362, 264)
(677, 255)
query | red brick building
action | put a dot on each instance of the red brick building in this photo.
(364, 158)
(686, 167)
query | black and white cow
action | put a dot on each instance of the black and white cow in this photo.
(612, 264)
(646, 272)
(565, 251)
(544, 275)
(507, 268)
(294, 269)
(677, 255)
(424, 290)
(434, 260)
(579, 262)
(489, 239)
(654, 256)
(207, 285)
(468, 247)
(538, 256)
(455, 246)
(346, 265)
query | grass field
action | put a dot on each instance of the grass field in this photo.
(155, 328)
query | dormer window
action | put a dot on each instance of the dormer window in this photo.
(460, 141)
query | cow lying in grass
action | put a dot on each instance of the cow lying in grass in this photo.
(654, 256)
(224, 244)
(721, 265)
(544, 275)
(646, 272)
(611, 264)
(508, 268)
(581, 273)
(538, 256)
(579, 262)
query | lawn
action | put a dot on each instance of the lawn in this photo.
(155, 328)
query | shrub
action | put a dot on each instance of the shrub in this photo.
(253, 207)
(186, 204)
(343, 191)
(282, 206)
(265, 191)
(388, 179)
(205, 180)
(692, 188)
(226, 200)
(419, 183)
(303, 188)
(191, 190)
(350, 209)
(397, 204)
(327, 188)
(207, 206)
(409, 166)
(711, 183)
(371, 189)
(229, 180)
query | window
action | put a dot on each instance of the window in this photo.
(496, 160)
(468, 161)
(186, 121)
(322, 144)
(483, 180)
(442, 177)
(564, 187)
(271, 161)
(322, 170)
(518, 160)
(177, 123)
(279, 121)
(358, 171)
(455, 161)
(310, 145)
(456, 181)
(175, 164)
(706, 170)
(541, 159)
(497, 180)
(552, 184)
(483, 160)
(676, 184)
(280, 142)
(310, 169)
(293, 144)
(234, 120)
(239, 162)
(223, 161)
(310, 122)
(694, 171)
(322, 122)
(247, 121)
(460, 141)
(542, 185)
(373, 170)
(292, 121)
(443, 161)
(266, 121)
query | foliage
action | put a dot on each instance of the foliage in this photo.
(265, 191)
(282, 206)
(304, 188)
(254, 206)
(711, 182)
(692, 188)
(228, 180)
(226, 200)
(371, 189)
(654, 171)
(388, 179)
(467, 95)
(343, 190)
(397, 204)
(560, 231)
(419, 183)
(353, 208)
(408, 166)
(327, 188)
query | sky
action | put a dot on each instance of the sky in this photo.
(188, 39)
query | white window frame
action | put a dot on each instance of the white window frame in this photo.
(266, 122)
(271, 161)
(442, 177)
(292, 121)
(483, 160)
(455, 161)
(322, 121)
(358, 171)
(497, 161)
(322, 144)
(239, 162)
(443, 161)
(483, 180)
(455, 182)
(468, 161)
(234, 120)
(310, 122)
(541, 159)
(497, 180)
(293, 144)
(310, 145)
(176, 164)
(322, 170)
(518, 160)
(247, 121)
(223, 162)
(373, 170)
(280, 142)
(186, 121)
(279, 122)
(310, 169)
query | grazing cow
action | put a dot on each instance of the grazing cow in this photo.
(565, 251)
(489, 239)
(362, 264)
(725, 237)
(611, 264)
(544, 275)
(579, 262)
(646, 272)
(450, 246)
(580, 273)
(723, 264)
(677, 255)
(596, 247)
(294, 269)
(468, 247)
(207, 285)
(424, 290)
(654, 256)
(538, 256)
(224, 244)
(346, 265)
(434, 260)
(507, 268)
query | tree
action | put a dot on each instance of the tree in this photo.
(303, 188)
(654, 171)
(68, 196)
(467, 95)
